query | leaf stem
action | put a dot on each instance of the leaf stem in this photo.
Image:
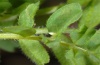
(73, 46)
(10, 36)
(16, 36)
(33, 37)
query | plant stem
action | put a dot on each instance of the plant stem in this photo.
(73, 46)
(10, 36)
(43, 31)
(16, 36)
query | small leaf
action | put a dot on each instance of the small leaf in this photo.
(19, 9)
(24, 31)
(85, 37)
(8, 20)
(26, 17)
(90, 17)
(59, 51)
(35, 51)
(4, 6)
(82, 2)
(63, 17)
(8, 45)
(75, 58)
(95, 2)
(3, 0)
(88, 44)
(34, 1)
(47, 10)
(74, 34)
(94, 42)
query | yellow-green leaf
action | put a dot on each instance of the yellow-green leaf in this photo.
(35, 51)
(63, 17)
(26, 18)
(24, 31)
(91, 16)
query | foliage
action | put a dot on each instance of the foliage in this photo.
(71, 44)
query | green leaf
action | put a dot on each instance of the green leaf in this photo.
(4, 6)
(82, 2)
(90, 17)
(47, 10)
(3, 0)
(26, 17)
(94, 42)
(34, 1)
(75, 58)
(95, 2)
(24, 31)
(74, 34)
(93, 47)
(8, 20)
(85, 37)
(35, 51)
(19, 9)
(90, 45)
(59, 51)
(82, 49)
(63, 17)
(84, 55)
(8, 45)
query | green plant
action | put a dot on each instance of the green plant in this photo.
(71, 46)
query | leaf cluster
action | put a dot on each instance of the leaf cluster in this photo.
(74, 36)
